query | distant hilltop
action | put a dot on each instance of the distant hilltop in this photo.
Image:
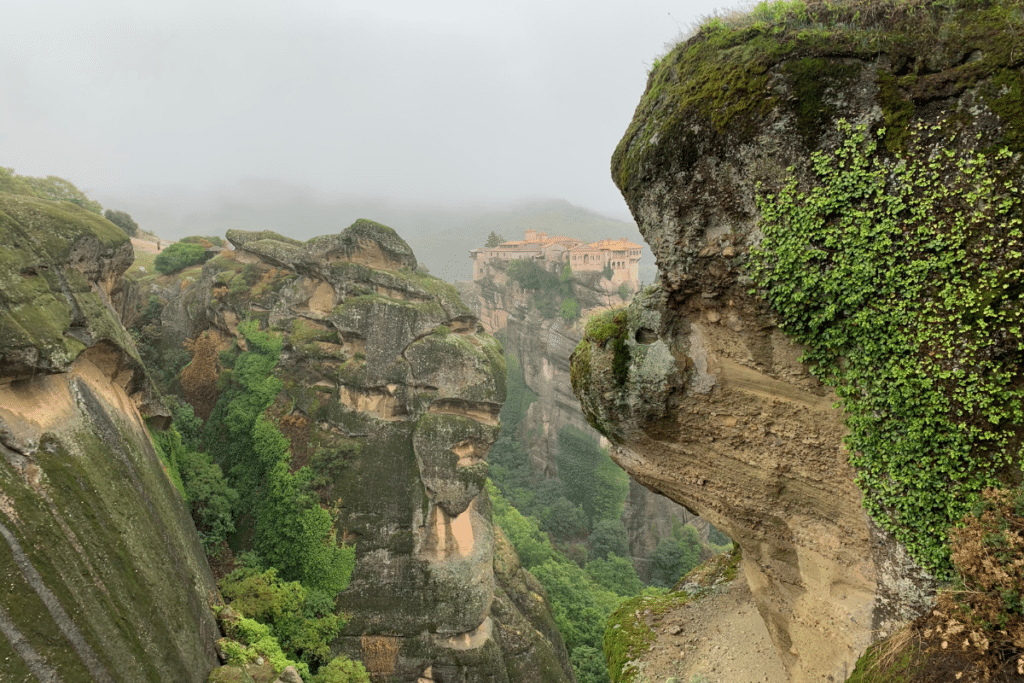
(619, 255)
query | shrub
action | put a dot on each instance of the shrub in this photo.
(207, 242)
(178, 256)
(570, 310)
(301, 620)
(342, 670)
(975, 632)
(211, 501)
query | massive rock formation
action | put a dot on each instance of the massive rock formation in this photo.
(104, 575)
(705, 397)
(391, 396)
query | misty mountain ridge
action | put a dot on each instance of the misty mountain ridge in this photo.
(440, 235)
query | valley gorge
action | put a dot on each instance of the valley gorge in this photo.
(542, 346)
(276, 460)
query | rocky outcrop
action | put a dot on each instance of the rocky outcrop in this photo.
(705, 397)
(106, 578)
(391, 396)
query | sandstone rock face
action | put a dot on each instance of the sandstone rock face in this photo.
(391, 396)
(106, 577)
(705, 397)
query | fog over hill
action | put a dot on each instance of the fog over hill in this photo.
(440, 235)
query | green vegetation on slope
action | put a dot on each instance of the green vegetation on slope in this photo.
(288, 586)
(589, 477)
(288, 624)
(903, 278)
(291, 531)
(580, 604)
(51, 187)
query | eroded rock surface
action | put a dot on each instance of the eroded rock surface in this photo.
(391, 395)
(104, 573)
(705, 397)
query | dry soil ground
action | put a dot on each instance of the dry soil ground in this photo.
(719, 638)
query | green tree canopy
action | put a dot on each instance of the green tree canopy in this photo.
(591, 478)
(123, 221)
(609, 536)
(616, 574)
(494, 239)
(675, 556)
(178, 256)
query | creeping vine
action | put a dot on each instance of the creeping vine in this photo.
(903, 276)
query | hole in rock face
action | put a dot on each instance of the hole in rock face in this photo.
(646, 335)
(482, 412)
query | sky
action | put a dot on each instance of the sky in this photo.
(441, 102)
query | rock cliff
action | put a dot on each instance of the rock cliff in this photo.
(391, 396)
(707, 398)
(105, 578)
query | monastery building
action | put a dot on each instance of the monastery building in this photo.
(621, 255)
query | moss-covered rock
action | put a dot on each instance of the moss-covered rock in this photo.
(98, 539)
(391, 393)
(59, 267)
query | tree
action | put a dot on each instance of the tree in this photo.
(570, 310)
(494, 239)
(178, 256)
(123, 221)
(562, 519)
(609, 536)
(675, 556)
(591, 478)
(302, 620)
(616, 574)
(589, 665)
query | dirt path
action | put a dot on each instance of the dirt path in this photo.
(720, 638)
(146, 245)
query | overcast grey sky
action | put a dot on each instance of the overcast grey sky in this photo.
(442, 101)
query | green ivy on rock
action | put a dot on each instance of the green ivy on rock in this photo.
(903, 277)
